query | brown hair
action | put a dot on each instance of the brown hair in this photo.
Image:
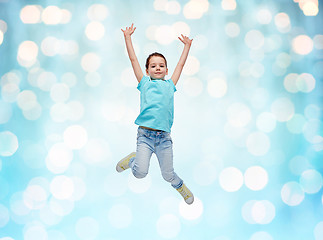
(155, 54)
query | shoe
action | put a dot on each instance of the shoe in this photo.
(186, 194)
(123, 164)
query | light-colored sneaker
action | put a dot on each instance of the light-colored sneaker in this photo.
(186, 194)
(123, 164)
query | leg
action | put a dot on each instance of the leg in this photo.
(164, 152)
(140, 163)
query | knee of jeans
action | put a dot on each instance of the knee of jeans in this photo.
(168, 177)
(139, 174)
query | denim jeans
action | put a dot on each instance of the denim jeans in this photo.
(160, 143)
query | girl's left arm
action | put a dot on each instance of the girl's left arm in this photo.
(179, 67)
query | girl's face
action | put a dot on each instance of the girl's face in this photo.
(157, 68)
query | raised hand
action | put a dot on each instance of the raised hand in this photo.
(128, 31)
(185, 40)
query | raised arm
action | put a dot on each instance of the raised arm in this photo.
(178, 70)
(131, 52)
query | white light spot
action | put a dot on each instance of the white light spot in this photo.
(305, 82)
(231, 179)
(62, 187)
(75, 136)
(90, 62)
(195, 9)
(266, 122)
(238, 115)
(168, 226)
(27, 53)
(97, 12)
(173, 7)
(292, 194)
(95, 31)
(30, 14)
(8, 143)
(52, 15)
(59, 158)
(35, 197)
(139, 185)
(193, 211)
(311, 181)
(302, 44)
(282, 22)
(60, 92)
(193, 86)
(164, 35)
(258, 143)
(254, 39)
(283, 109)
(35, 232)
(217, 87)
(46, 80)
(192, 66)
(264, 16)
(256, 178)
(232, 29)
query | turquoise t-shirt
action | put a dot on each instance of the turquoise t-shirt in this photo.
(156, 103)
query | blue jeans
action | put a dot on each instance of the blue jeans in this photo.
(160, 143)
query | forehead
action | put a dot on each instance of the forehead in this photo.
(156, 60)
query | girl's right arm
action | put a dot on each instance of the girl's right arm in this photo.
(131, 52)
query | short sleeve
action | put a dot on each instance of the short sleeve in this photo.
(142, 82)
(172, 84)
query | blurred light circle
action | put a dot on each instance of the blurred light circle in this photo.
(318, 231)
(60, 112)
(229, 5)
(246, 211)
(312, 111)
(231, 179)
(254, 39)
(93, 79)
(61, 207)
(193, 211)
(95, 151)
(87, 228)
(52, 15)
(205, 173)
(27, 53)
(164, 34)
(30, 14)
(3, 26)
(75, 136)
(305, 82)
(5, 112)
(266, 122)
(8, 143)
(160, 5)
(151, 32)
(90, 62)
(26, 99)
(168, 226)
(318, 41)
(256, 178)
(258, 143)
(290, 82)
(302, 44)
(311, 181)
(35, 232)
(113, 112)
(263, 212)
(59, 158)
(75, 110)
(4, 213)
(59, 92)
(97, 12)
(261, 236)
(194, 9)
(65, 16)
(79, 189)
(264, 16)
(238, 114)
(139, 185)
(1, 37)
(95, 31)
(193, 86)
(62, 187)
(283, 109)
(232, 29)
(120, 216)
(217, 87)
(310, 8)
(292, 194)
(299, 164)
(173, 7)
(282, 22)
(283, 60)
(10, 92)
(35, 197)
(179, 28)
(296, 123)
(50, 46)
(192, 66)
(34, 113)
(46, 80)
(257, 70)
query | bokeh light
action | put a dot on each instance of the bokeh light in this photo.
(247, 133)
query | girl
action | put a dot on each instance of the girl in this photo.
(156, 115)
